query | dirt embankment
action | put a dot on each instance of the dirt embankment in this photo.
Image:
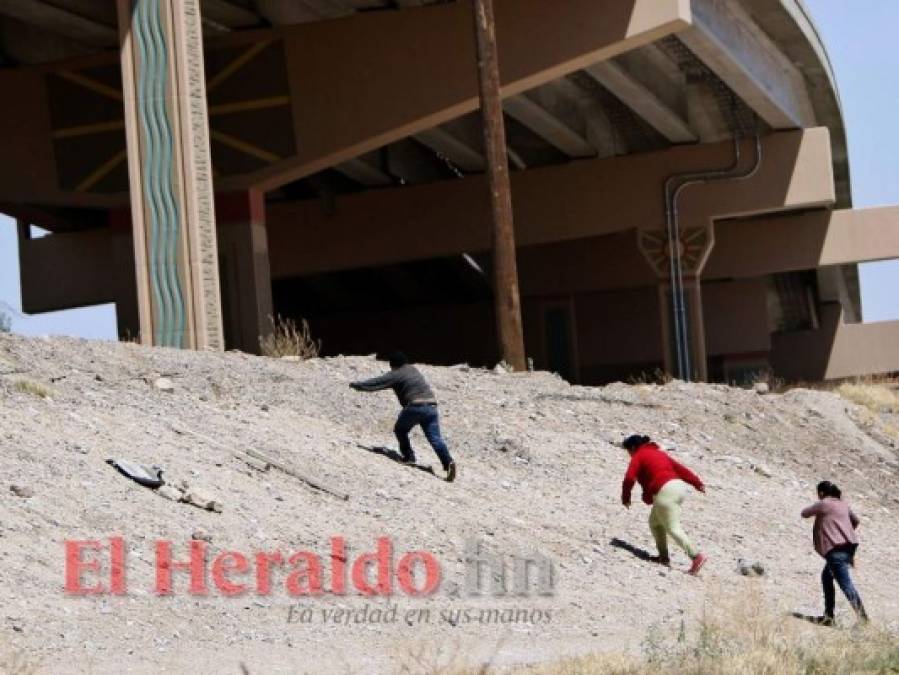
(540, 475)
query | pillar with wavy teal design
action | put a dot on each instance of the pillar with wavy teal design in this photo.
(170, 173)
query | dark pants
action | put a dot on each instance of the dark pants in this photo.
(836, 567)
(428, 418)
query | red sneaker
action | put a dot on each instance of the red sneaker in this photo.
(698, 562)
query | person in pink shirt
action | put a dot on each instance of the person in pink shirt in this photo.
(835, 541)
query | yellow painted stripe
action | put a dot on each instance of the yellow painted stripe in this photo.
(89, 83)
(244, 147)
(101, 172)
(88, 129)
(236, 65)
(241, 106)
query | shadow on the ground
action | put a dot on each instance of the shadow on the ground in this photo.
(640, 553)
(811, 618)
(394, 456)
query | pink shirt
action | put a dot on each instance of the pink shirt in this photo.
(834, 524)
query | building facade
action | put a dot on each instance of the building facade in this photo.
(680, 180)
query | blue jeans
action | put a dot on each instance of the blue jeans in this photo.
(838, 562)
(428, 418)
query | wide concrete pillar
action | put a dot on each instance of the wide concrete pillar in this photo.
(172, 205)
(695, 246)
(246, 278)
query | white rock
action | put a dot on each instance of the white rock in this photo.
(762, 470)
(164, 384)
(169, 492)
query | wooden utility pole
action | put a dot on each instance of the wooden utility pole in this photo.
(505, 269)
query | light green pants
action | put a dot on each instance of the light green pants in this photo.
(664, 518)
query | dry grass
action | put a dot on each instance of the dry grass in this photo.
(658, 376)
(289, 339)
(17, 664)
(745, 639)
(31, 388)
(876, 396)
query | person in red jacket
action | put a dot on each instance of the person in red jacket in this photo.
(665, 484)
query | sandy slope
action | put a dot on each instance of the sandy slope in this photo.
(540, 475)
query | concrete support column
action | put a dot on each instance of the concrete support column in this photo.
(246, 276)
(695, 245)
(695, 328)
(173, 215)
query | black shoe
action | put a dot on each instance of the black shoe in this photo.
(451, 472)
(822, 620)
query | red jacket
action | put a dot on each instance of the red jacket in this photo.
(652, 467)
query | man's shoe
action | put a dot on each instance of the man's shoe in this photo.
(660, 560)
(822, 620)
(698, 562)
(451, 472)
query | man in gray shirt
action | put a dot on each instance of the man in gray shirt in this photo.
(419, 408)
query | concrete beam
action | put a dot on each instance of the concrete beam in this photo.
(597, 127)
(732, 45)
(60, 21)
(455, 150)
(362, 172)
(372, 93)
(705, 114)
(228, 14)
(561, 203)
(837, 349)
(803, 242)
(549, 127)
(644, 98)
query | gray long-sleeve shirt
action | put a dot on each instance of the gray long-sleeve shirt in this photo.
(407, 383)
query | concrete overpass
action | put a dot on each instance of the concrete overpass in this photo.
(205, 164)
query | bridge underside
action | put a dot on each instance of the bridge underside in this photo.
(208, 164)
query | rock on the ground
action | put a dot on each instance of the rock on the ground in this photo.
(164, 384)
(170, 492)
(21, 491)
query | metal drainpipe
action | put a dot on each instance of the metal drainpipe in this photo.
(683, 181)
(674, 249)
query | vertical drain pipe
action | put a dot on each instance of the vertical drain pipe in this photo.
(677, 312)
(684, 180)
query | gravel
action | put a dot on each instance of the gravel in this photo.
(539, 478)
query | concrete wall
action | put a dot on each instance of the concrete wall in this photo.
(837, 349)
(64, 271)
(736, 317)
(352, 85)
(803, 241)
(573, 201)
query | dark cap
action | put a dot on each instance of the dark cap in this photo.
(398, 359)
(634, 441)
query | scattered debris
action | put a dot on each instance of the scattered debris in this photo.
(164, 384)
(762, 470)
(750, 569)
(170, 492)
(201, 535)
(201, 499)
(21, 491)
(257, 464)
(148, 476)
